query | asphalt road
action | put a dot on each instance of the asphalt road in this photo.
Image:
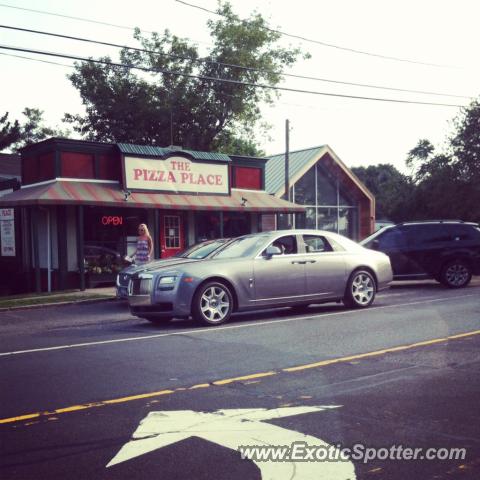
(76, 381)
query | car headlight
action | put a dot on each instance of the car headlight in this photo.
(167, 283)
(167, 280)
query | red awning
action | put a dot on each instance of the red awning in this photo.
(64, 192)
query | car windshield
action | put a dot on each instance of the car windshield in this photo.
(242, 247)
(202, 250)
(374, 235)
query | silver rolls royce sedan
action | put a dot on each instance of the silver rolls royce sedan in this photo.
(290, 268)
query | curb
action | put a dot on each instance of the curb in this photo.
(50, 305)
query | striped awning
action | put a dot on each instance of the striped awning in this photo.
(64, 192)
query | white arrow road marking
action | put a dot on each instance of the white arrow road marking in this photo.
(232, 429)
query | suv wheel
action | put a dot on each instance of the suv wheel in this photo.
(456, 274)
(360, 291)
(212, 304)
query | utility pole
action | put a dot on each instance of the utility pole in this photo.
(287, 169)
(287, 160)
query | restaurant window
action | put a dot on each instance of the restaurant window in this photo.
(108, 232)
(305, 189)
(236, 224)
(328, 206)
(207, 226)
(326, 188)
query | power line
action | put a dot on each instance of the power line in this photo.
(318, 42)
(221, 80)
(325, 44)
(36, 60)
(229, 65)
(43, 12)
(81, 19)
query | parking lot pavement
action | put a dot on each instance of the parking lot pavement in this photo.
(424, 397)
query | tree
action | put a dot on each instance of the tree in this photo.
(9, 132)
(448, 183)
(392, 190)
(15, 136)
(186, 107)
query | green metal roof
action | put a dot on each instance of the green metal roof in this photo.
(147, 150)
(275, 168)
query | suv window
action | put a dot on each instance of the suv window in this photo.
(428, 234)
(464, 232)
(316, 243)
(392, 238)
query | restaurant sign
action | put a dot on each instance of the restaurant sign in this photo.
(175, 174)
(7, 232)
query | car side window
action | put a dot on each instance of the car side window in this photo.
(287, 244)
(316, 243)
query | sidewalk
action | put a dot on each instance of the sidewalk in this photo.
(32, 300)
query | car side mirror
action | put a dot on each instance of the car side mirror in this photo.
(375, 244)
(271, 251)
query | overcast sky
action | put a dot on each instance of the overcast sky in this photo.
(437, 41)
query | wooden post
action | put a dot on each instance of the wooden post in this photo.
(36, 250)
(80, 247)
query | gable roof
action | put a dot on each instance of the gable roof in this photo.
(300, 162)
(275, 168)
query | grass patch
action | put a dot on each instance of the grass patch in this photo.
(39, 299)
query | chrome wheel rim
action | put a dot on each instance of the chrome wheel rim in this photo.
(215, 304)
(362, 289)
(457, 274)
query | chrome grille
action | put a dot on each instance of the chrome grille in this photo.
(145, 286)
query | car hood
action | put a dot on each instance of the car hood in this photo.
(157, 265)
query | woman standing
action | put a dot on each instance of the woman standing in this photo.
(143, 254)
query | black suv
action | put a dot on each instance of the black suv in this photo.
(446, 250)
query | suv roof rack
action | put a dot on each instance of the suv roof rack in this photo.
(443, 220)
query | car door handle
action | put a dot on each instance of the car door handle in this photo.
(301, 262)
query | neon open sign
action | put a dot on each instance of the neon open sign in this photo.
(112, 220)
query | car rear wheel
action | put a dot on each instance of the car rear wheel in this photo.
(360, 291)
(456, 274)
(212, 304)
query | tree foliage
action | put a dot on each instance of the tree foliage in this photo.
(186, 107)
(10, 133)
(448, 183)
(391, 188)
(17, 135)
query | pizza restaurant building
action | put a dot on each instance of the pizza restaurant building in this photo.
(76, 214)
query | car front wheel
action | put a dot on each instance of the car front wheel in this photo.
(212, 304)
(456, 274)
(360, 291)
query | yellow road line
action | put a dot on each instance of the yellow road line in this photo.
(245, 377)
(227, 381)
